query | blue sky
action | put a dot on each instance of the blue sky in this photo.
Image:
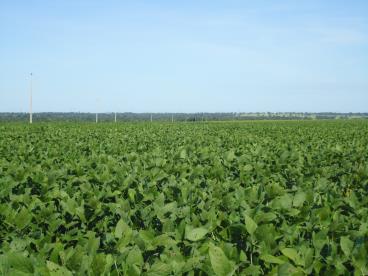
(185, 56)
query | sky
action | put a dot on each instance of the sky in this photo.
(184, 56)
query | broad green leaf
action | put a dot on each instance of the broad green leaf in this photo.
(195, 234)
(170, 207)
(163, 240)
(183, 154)
(253, 270)
(76, 260)
(135, 257)
(54, 256)
(147, 236)
(346, 245)
(288, 269)
(265, 217)
(286, 201)
(292, 254)
(120, 226)
(93, 243)
(99, 264)
(250, 225)
(23, 218)
(219, 262)
(271, 259)
(134, 270)
(70, 206)
(57, 270)
(159, 269)
(131, 194)
(20, 262)
(230, 155)
(247, 168)
(242, 257)
(299, 199)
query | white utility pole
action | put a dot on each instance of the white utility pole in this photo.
(98, 105)
(172, 118)
(115, 117)
(151, 118)
(30, 103)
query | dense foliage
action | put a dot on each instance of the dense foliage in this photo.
(247, 198)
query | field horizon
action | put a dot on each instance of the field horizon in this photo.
(178, 116)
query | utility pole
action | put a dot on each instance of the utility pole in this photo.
(30, 103)
(115, 117)
(98, 105)
(151, 118)
(172, 118)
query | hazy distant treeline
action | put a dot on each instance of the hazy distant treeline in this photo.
(190, 117)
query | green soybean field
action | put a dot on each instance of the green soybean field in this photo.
(201, 198)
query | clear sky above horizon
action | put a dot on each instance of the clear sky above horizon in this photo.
(185, 56)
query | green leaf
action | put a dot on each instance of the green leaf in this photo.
(266, 217)
(135, 257)
(253, 270)
(57, 270)
(124, 233)
(99, 264)
(247, 168)
(131, 194)
(163, 240)
(147, 236)
(287, 269)
(346, 245)
(19, 262)
(195, 234)
(242, 256)
(292, 254)
(120, 226)
(58, 247)
(282, 202)
(219, 262)
(170, 207)
(93, 243)
(70, 206)
(134, 270)
(250, 225)
(183, 154)
(23, 218)
(159, 269)
(271, 259)
(230, 155)
(299, 199)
